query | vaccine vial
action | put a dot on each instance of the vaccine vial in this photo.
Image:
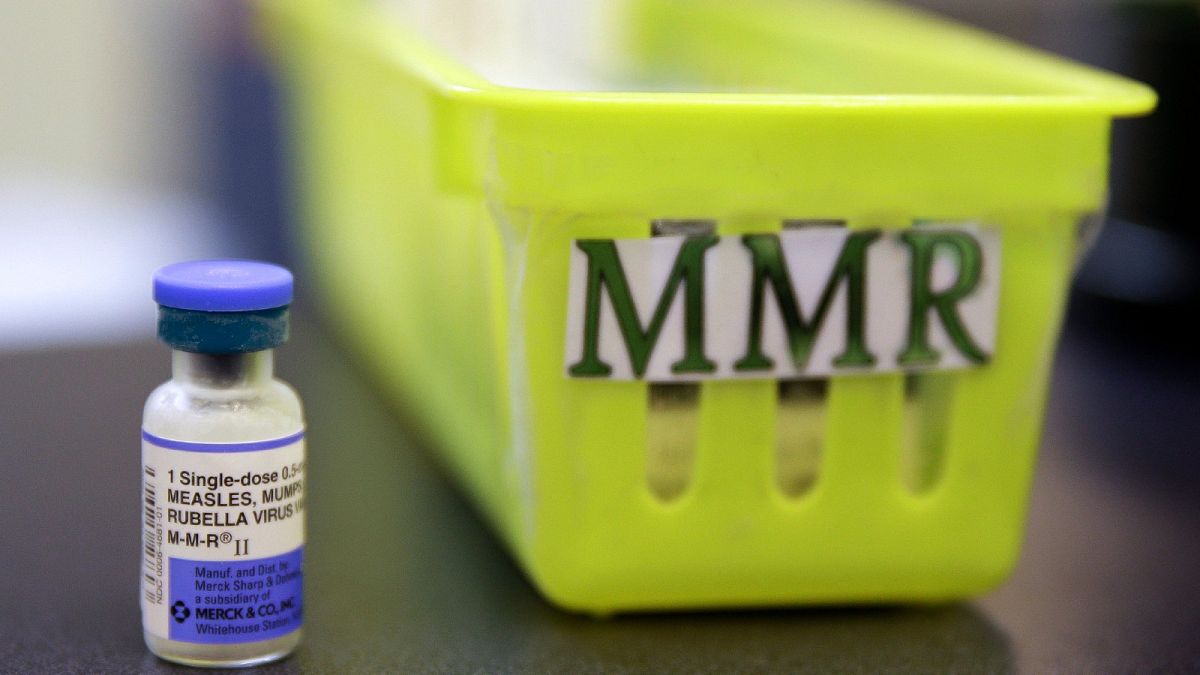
(223, 472)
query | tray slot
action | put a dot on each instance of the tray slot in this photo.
(800, 414)
(927, 402)
(673, 414)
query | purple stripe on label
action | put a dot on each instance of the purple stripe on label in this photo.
(224, 602)
(221, 447)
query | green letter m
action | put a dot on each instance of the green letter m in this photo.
(604, 270)
(770, 268)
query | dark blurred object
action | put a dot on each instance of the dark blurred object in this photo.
(251, 177)
(1144, 274)
(1155, 159)
(1145, 267)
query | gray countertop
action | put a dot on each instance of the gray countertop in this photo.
(402, 576)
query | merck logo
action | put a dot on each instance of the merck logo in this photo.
(180, 611)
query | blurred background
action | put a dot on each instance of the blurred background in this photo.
(134, 133)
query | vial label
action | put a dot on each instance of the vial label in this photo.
(223, 539)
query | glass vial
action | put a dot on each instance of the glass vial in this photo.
(223, 472)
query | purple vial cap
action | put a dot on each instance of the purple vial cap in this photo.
(223, 286)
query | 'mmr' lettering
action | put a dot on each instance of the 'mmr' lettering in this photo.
(605, 271)
(758, 305)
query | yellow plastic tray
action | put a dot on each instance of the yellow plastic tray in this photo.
(439, 208)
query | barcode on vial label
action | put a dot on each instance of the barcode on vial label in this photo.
(152, 563)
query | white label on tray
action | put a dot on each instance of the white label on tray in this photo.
(802, 303)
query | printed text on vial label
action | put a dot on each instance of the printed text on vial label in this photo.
(224, 536)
